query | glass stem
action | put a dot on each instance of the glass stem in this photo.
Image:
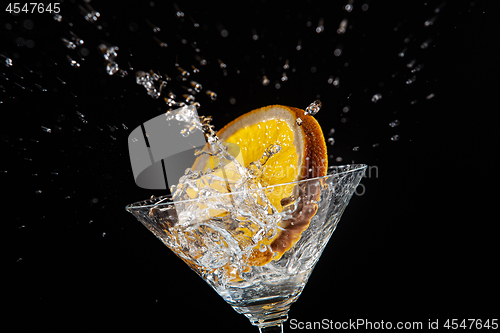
(272, 329)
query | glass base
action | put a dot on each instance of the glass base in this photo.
(268, 314)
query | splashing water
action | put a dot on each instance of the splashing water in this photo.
(319, 60)
(149, 82)
(214, 220)
(313, 108)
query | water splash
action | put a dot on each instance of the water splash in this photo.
(72, 62)
(110, 53)
(265, 81)
(69, 44)
(8, 62)
(256, 168)
(395, 137)
(89, 13)
(342, 27)
(313, 108)
(151, 82)
(376, 98)
(211, 94)
(394, 123)
(331, 67)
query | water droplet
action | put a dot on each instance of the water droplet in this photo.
(8, 62)
(342, 27)
(122, 73)
(320, 28)
(112, 68)
(108, 51)
(255, 36)
(417, 68)
(403, 52)
(299, 45)
(211, 94)
(46, 129)
(20, 86)
(72, 62)
(40, 87)
(376, 98)
(188, 98)
(69, 44)
(76, 39)
(299, 121)
(334, 81)
(153, 26)
(196, 86)
(57, 17)
(430, 21)
(355, 148)
(89, 13)
(38, 191)
(411, 63)
(394, 123)
(265, 81)
(263, 248)
(313, 108)
(411, 80)
(338, 159)
(184, 73)
(331, 141)
(426, 44)
(284, 77)
(221, 64)
(346, 109)
(160, 42)
(147, 80)
(395, 138)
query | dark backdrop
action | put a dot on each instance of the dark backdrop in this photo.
(416, 243)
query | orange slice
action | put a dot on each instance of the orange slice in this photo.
(303, 155)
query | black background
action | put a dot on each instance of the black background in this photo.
(418, 244)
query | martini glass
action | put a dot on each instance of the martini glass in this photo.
(214, 248)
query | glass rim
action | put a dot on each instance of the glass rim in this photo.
(140, 204)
